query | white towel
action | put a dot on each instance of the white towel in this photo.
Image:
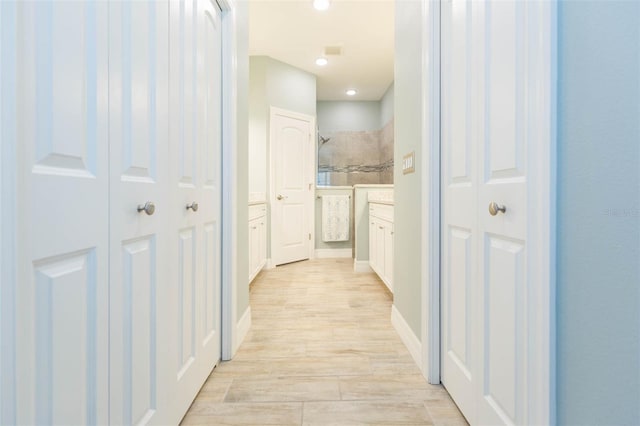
(335, 218)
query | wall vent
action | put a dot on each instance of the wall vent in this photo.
(333, 50)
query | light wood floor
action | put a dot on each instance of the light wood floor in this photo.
(321, 350)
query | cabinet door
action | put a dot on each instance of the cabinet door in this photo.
(263, 241)
(254, 247)
(373, 246)
(59, 109)
(380, 247)
(388, 255)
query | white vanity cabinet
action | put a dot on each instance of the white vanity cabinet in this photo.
(257, 239)
(381, 241)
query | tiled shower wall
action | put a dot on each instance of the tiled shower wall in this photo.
(351, 158)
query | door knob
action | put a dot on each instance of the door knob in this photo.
(494, 208)
(193, 206)
(148, 207)
(280, 197)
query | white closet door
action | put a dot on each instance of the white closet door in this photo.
(496, 194)
(459, 208)
(139, 289)
(62, 224)
(195, 188)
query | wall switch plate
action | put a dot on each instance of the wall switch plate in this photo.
(409, 163)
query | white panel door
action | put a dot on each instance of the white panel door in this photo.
(292, 153)
(61, 351)
(502, 178)
(195, 188)
(139, 290)
(459, 208)
(493, 116)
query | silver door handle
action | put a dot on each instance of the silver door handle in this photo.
(193, 206)
(494, 208)
(280, 197)
(148, 207)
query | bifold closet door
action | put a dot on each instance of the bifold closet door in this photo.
(61, 310)
(496, 138)
(140, 212)
(195, 188)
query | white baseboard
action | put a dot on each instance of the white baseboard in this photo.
(407, 336)
(333, 253)
(269, 264)
(361, 266)
(242, 328)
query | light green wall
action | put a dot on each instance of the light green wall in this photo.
(242, 256)
(387, 105)
(318, 226)
(408, 137)
(290, 88)
(348, 116)
(598, 216)
(258, 124)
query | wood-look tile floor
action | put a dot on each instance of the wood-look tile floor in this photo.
(321, 350)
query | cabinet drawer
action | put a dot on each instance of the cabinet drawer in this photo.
(257, 210)
(383, 211)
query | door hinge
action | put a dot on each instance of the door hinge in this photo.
(309, 236)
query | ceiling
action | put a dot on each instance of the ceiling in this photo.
(292, 31)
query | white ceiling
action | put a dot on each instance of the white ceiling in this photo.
(292, 31)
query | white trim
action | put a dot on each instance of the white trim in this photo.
(430, 273)
(334, 253)
(541, 226)
(229, 178)
(242, 328)
(407, 335)
(311, 178)
(361, 266)
(269, 264)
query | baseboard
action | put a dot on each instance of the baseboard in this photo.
(269, 264)
(242, 328)
(407, 336)
(333, 253)
(361, 266)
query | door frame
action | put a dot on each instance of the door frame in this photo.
(541, 223)
(229, 209)
(311, 170)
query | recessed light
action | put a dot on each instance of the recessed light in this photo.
(351, 92)
(321, 62)
(321, 4)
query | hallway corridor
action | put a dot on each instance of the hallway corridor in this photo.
(321, 350)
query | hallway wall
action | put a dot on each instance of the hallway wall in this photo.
(598, 248)
(408, 254)
(242, 139)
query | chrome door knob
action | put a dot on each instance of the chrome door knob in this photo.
(148, 207)
(193, 206)
(279, 197)
(494, 208)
